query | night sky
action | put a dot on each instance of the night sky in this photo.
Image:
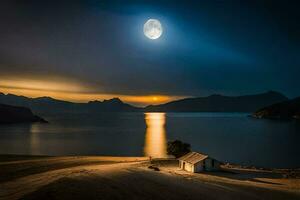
(86, 50)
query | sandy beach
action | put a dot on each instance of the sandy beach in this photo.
(99, 177)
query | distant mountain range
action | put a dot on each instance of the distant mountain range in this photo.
(220, 103)
(285, 110)
(16, 114)
(213, 103)
(50, 105)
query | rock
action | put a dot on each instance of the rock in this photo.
(154, 168)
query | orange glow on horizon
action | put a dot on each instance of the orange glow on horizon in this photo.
(41, 85)
(74, 92)
(85, 97)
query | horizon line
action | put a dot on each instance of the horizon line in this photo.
(136, 105)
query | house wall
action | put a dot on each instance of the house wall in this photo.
(198, 167)
(187, 166)
(205, 165)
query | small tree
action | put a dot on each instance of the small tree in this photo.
(177, 148)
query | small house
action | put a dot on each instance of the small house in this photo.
(197, 162)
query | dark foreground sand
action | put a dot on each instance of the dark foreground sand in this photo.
(28, 177)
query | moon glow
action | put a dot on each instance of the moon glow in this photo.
(153, 29)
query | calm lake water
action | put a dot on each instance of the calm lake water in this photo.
(228, 137)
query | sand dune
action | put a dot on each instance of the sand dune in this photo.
(82, 177)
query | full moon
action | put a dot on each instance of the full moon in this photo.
(153, 29)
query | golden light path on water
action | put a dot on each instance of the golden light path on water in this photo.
(155, 138)
(34, 139)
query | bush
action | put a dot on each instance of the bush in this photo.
(177, 148)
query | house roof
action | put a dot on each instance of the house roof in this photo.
(193, 157)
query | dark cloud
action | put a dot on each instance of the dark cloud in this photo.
(208, 46)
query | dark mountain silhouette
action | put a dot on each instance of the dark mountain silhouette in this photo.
(213, 103)
(219, 103)
(285, 110)
(114, 104)
(50, 105)
(37, 105)
(16, 114)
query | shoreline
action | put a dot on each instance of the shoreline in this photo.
(11, 157)
(107, 177)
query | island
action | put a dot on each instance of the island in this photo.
(16, 114)
(289, 109)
